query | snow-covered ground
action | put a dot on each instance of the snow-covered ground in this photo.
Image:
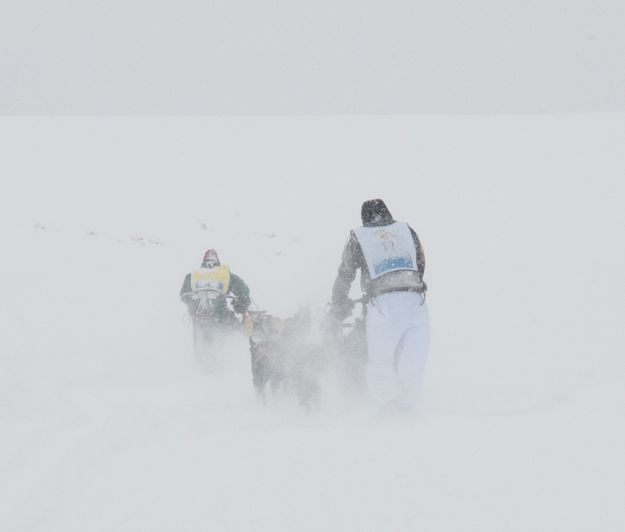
(108, 425)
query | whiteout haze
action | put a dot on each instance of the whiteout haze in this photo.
(107, 424)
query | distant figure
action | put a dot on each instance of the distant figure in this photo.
(392, 264)
(219, 279)
(206, 291)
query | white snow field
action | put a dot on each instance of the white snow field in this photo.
(108, 425)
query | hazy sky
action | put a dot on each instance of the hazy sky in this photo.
(321, 56)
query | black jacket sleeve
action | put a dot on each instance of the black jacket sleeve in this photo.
(240, 291)
(185, 290)
(420, 253)
(351, 260)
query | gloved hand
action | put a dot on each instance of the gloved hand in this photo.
(240, 306)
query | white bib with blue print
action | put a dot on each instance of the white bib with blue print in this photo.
(387, 248)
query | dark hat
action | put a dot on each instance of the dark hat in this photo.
(375, 212)
(210, 257)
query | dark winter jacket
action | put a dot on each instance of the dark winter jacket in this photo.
(237, 288)
(353, 258)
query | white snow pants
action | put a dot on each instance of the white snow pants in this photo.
(398, 337)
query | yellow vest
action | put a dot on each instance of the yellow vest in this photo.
(214, 279)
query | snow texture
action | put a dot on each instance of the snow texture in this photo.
(107, 424)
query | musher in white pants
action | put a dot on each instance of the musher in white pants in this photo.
(398, 334)
(391, 260)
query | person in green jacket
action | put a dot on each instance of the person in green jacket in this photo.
(205, 292)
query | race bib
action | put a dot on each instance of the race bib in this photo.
(387, 248)
(211, 279)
